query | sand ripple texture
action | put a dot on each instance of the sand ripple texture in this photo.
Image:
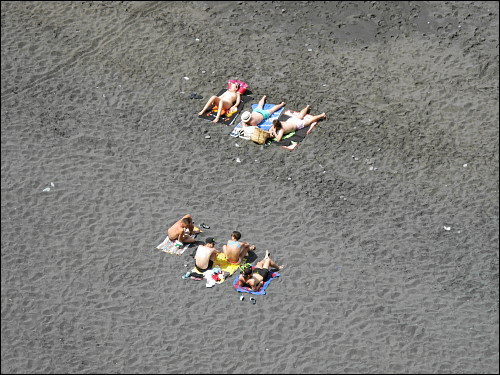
(386, 216)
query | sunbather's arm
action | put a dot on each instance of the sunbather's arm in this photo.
(242, 282)
(272, 132)
(256, 288)
(279, 135)
(238, 101)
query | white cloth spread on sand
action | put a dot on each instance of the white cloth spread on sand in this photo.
(168, 246)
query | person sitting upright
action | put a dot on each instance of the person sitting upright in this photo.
(205, 255)
(235, 250)
(182, 230)
(229, 101)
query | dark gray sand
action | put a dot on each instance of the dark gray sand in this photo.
(386, 216)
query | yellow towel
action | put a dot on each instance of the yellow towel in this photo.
(221, 262)
(224, 265)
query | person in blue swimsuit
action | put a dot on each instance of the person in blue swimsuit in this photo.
(259, 114)
(235, 250)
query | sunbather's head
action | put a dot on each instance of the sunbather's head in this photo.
(277, 124)
(210, 242)
(246, 116)
(247, 271)
(236, 235)
(186, 222)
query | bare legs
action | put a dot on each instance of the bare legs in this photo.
(222, 104)
(267, 262)
(314, 119)
(304, 111)
(186, 238)
(215, 100)
(262, 102)
(245, 248)
(276, 107)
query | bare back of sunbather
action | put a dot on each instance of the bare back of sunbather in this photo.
(292, 124)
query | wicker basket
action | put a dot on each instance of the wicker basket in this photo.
(259, 136)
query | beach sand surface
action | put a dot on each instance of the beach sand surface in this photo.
(386, 216)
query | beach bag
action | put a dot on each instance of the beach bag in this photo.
(246, 132)
(259, 136)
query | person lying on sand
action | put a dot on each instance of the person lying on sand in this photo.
(234, 250)
(229, 100)
(279, 129)
(259, 114)
(255, 278)
(205, 255)
(182, 230)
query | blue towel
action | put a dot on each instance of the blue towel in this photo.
(266, 124)
(262, 290)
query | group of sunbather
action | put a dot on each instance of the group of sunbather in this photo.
(231, 98)
(234, 250)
